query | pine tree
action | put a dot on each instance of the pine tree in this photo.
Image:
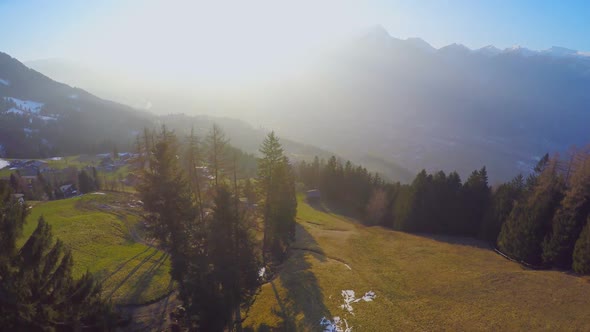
(570, 218)
(581, 255)
(277, 184)
(529, 221)
(476, 200)
(216, 146)
(502, 202)
(168, 200)
(36, 284)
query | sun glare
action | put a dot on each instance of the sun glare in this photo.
(217, 41)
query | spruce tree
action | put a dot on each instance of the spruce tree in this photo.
(216, 143)
(277, 185)
(569, 219)
(529, 221)
(581, 255)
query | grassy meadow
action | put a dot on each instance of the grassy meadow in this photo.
(101, 230)
(422, 283)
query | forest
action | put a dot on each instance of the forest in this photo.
(540, 220)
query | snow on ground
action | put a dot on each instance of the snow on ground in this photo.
(341, 325)
(335, 326)
(261, 272)
(55, 158)
(15, 111)
(349, 299)
(47, 118)
(4, 82)
(32, 106)
(29, 131)
(3, 163)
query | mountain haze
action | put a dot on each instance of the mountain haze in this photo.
(414, 105)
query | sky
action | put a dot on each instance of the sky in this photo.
(221, 39)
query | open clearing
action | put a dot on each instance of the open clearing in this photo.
(101, 230)
(422, 283)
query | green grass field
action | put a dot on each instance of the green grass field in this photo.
(422, 283)
(102, 232)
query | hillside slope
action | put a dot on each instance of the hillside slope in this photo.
(102, 232)
(421, 283)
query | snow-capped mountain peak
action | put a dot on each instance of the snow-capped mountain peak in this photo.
(489, 50)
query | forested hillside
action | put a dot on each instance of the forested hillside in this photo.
(540, 220)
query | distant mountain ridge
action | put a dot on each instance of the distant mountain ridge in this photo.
(451, 108)
(40, 117)
(380, 33)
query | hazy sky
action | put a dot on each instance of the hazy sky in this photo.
(220, 38)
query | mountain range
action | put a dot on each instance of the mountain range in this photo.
(410, 105)
(40, 117)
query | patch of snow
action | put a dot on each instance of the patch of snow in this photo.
(261, 272)
(517, 49)
(369, 296)
(4, 82)
(489, 50)
(349, 299)
(15, 111)
(27, 105)
(335, 325)
(56, 158)
(29, 131)
(3, 163)
(47, 118)
(98, 193)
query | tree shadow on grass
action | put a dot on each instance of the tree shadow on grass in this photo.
(145, 279)
(122, 265)
(132, 272)
(297, 290)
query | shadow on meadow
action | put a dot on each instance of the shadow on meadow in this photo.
(300, 302)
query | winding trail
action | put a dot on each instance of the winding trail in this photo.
(321, 253)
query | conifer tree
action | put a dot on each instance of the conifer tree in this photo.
(570, 218)
(37, 290)
(277, 185)
(216, 146)
(581, 255)
(167, 198)
(530, 220)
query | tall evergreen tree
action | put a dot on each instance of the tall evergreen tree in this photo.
(37, 290)
(167, 198)
(529, 221)
(277, 185)
(216, 143)
(581, 255)
(570, 217)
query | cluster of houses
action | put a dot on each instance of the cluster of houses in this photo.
(109, 164)
(66, 178)
(29, 167)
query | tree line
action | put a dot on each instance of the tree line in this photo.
(540, 220)
(194, 198)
